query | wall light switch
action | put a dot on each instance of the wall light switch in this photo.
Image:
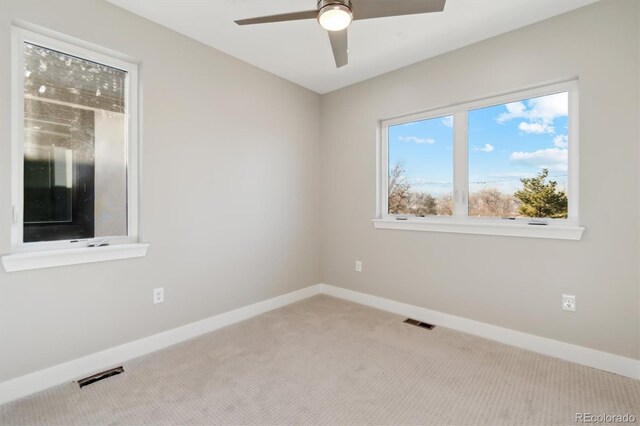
(358, 266)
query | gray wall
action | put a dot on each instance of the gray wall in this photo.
(230, 196)
(510, 282)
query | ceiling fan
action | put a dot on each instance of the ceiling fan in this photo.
(336, 15)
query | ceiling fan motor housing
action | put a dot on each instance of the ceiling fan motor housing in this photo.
(323, 3)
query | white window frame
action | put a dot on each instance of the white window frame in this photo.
(460, 222)
(65, 252)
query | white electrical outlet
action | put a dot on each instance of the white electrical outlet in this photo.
(569, 302)
(158, 295)
(358, 266)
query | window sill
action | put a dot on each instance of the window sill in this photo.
(51, 258)
(560, 232)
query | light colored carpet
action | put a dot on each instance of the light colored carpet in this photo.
(327, 361)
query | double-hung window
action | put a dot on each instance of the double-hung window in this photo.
(75, 154)
(505, 165)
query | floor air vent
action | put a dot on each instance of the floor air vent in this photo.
(100, 376)
(419, 323)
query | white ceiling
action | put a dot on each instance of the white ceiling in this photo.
(300, 51)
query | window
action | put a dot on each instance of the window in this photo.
(75, 156)
(518, 159)
(421, 167)
(505, 165)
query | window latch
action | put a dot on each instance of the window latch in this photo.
(14, 214)
(98, 244)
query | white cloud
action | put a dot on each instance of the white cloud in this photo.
(554, 159)
(550, 107)
(545, 108)
(514, 110)
(540, 127)
(486, 148)
(416, 139)
(539, 112)
(447, 121)
(561, 141)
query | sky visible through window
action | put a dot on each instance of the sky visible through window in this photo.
(506, 143)
(518, 140)
(425, 151)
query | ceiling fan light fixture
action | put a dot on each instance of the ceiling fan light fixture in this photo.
(335, 17)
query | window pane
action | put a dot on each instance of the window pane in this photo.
(421, 167)
(518, 158)
(48, 185)
(75, 174)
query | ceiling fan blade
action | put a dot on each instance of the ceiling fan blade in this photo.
(340, 46)
(368, 9)
(295, 16)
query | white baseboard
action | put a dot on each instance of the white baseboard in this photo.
(78, 368)
(578, 354)
(72, 370)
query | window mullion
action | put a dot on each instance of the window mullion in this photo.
(460, 165)
(383, 166)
